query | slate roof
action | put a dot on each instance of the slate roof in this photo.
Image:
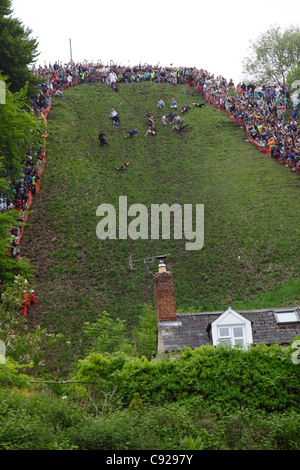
(193, 329)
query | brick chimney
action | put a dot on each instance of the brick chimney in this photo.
(164, 294)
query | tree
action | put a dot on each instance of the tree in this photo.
(107, 335)
(275, 56)
(21, 132)
(18, 50)
(146, 332)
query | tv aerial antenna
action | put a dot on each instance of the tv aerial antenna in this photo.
(147, 261)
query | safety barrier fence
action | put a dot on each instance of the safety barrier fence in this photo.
(265, 149)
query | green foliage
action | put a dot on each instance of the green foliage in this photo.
(18, 50)
(146, 332)
(182, 427)
(107, 335)
(33, 421)
(136, 404)
(11, 375)
(21, 132)
(293, 76)
(96, 367)
(260, 378)
(275, 56)
(93, 382)
(190, 444)
(207, 399)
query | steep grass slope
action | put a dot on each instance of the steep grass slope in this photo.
(250, 256)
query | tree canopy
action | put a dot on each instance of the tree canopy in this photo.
(274, 56)
(18, 50)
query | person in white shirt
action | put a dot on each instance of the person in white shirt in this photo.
(160, 103)
(113, 113)
(3, 205)
(112, 78)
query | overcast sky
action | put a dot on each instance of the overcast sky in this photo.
(213, 35)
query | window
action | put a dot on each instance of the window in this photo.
(287, 317)
(231, 335)
(231, 328)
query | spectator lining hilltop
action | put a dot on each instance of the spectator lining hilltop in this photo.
(262, 110)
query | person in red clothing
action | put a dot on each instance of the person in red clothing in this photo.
(54, 78)
(27, 300)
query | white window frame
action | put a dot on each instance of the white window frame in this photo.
(231, 338)
(231, 320)
(287, 317)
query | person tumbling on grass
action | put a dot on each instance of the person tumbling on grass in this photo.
(132, 132)
(171, 117)
(115, 120)
(114, 117)
(184, 108)
(152, 130)
(198, 105)
(102, 138)
(164, 121)
(178, 120)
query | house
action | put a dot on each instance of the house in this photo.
(243, 327)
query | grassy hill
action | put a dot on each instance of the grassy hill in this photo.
(250, 257)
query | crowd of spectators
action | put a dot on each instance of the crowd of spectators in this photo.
(18, 195)
(260, 109)
(262, 112)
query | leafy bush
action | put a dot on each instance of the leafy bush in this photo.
(31, 421)
(260, 378)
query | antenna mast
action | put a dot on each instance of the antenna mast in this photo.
(146, 261)
(70, 50)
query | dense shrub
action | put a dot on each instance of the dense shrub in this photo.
(33, 421)
(260, 378)
(180, 427)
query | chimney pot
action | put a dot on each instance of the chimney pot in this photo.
(162, 267)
